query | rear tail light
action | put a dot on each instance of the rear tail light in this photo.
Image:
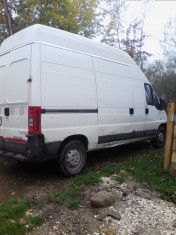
(34, 121)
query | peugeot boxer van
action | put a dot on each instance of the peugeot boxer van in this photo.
(62, 95)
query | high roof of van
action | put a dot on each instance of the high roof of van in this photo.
(56, 37)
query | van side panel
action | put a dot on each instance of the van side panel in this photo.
(68, 95)
(115, 98)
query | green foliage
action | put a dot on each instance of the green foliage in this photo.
(162, 73)
(149, 169)
(89, 178)
(166, 87)
(129, 37)
(68, 197)
(13, 208)
(12, 228)
(146, 168)
(35, 222)
(110, 170)
(76, 16)
(11, 213)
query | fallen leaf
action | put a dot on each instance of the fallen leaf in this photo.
(107, 231)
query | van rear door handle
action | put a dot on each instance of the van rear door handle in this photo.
(131, 111)
(6, 112)
(146, 111)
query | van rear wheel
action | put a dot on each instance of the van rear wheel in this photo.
(160, 138)
(72, 158)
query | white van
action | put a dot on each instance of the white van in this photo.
(62, 95)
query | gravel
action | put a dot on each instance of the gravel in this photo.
(138, 215)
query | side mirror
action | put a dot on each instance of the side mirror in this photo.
(162, 104)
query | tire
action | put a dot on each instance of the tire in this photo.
(72, 158)
(160, 138)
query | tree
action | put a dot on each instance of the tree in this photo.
(76, 16)
(113, 31)
(166, 87)
(133, 44)
(163, 79)
(169, 45)
(129, 37)
(155, 71)
(162, 74)
(8, 17)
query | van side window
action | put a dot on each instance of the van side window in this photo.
(149, 95)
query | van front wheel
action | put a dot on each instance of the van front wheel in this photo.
(72, 158)
(160, 138)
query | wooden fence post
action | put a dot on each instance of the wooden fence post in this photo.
(173, 157)
(169, 136)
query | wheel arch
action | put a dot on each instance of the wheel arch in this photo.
(81, 138)
(164, 124)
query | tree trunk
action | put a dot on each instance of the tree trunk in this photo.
(8, 17)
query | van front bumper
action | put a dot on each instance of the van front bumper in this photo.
(34, 150)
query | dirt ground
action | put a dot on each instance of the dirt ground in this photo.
(37, 181)
(16, 179)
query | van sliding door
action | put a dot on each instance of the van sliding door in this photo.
(115, 101)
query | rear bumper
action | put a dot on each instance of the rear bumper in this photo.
(34, 150)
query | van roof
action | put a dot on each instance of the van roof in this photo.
(56, 37)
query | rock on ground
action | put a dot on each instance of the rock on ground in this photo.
(102, 199)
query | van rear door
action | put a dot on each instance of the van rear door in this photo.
(16, 96)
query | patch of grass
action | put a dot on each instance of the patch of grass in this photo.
(148, 168)
(89, 178)
(110, 170)
(120, 179)
(11, 214)
(13, 209)
(145, 168)
(35, 221)
(69, 197)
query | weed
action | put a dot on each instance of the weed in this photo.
(120, 179)
(110, 170)
(68, 197)
(89, 178)
(35, 221)
(68, 229)
(50, 198)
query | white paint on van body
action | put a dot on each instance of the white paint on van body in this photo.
(68, 72)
